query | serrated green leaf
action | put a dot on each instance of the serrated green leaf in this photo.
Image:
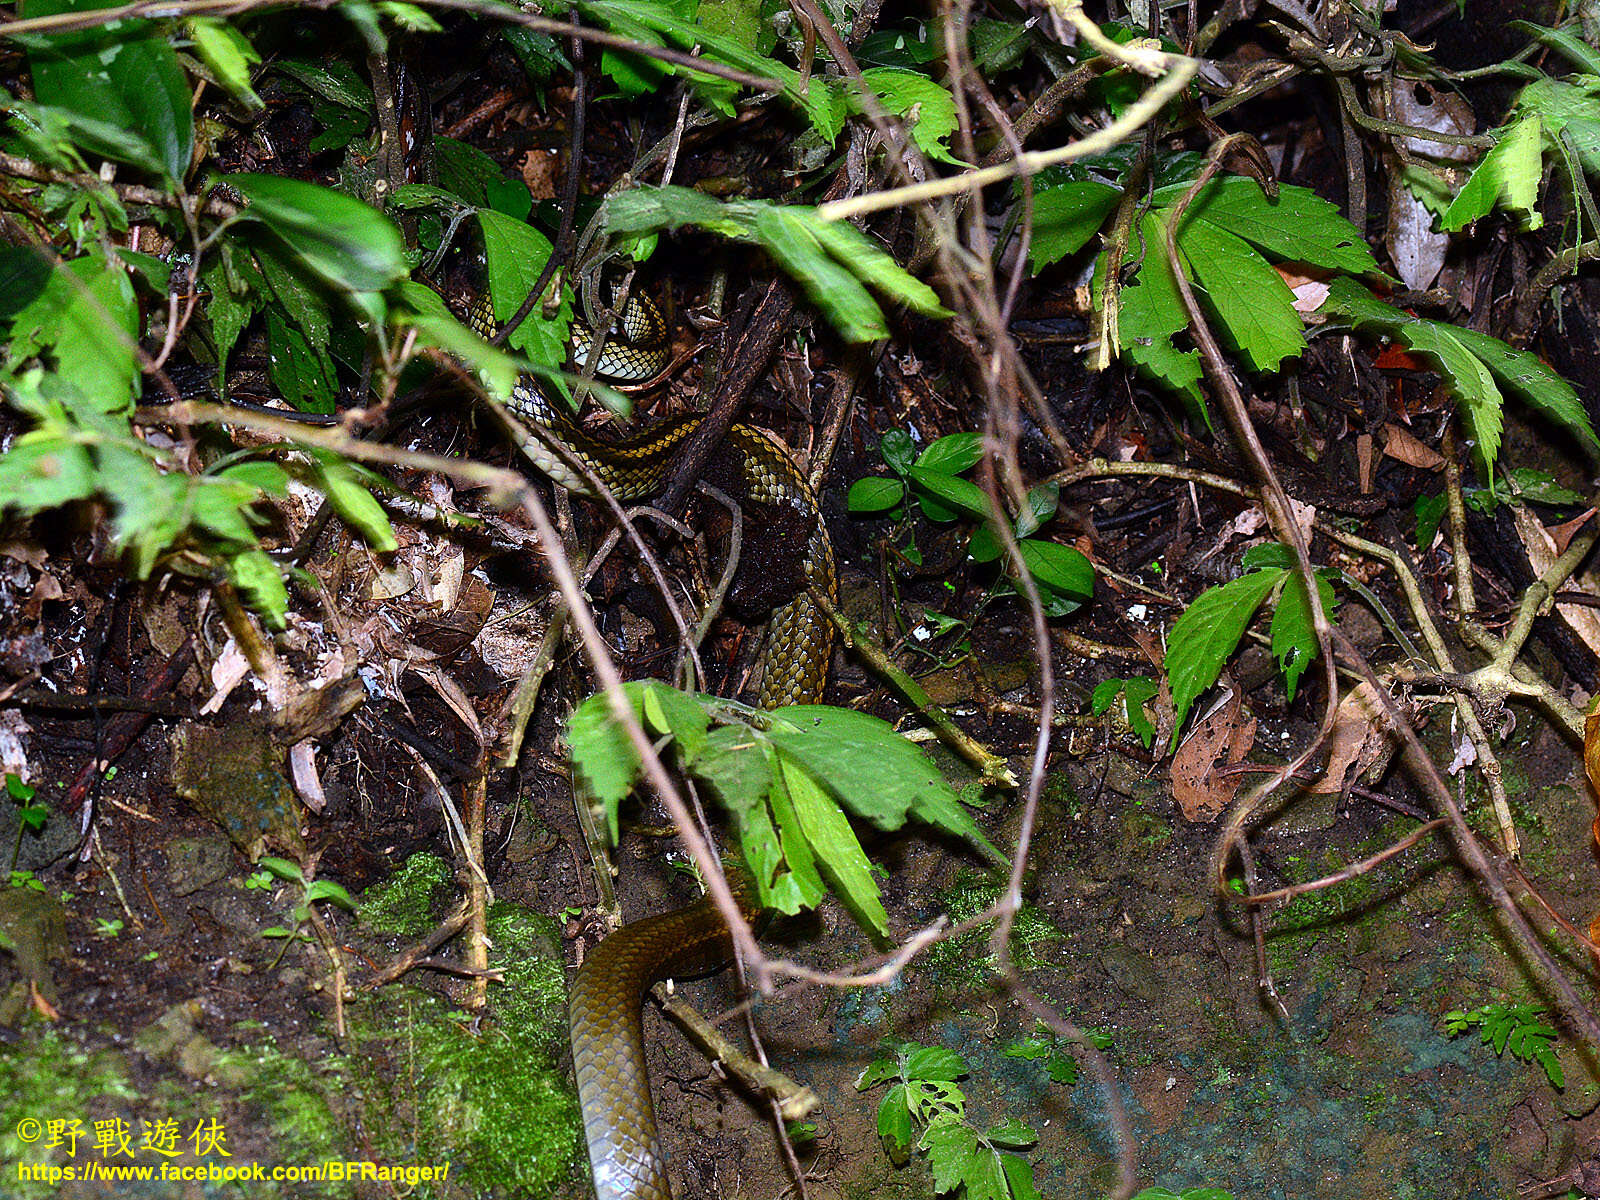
(1465, 374)
(1253, 305)
(421, 309)
(301, 370)
(872, 494)
(894, 1118)
(1150, 313)
(516, 253)
(837, 850)
(1019, 1177)
(793, 243)
(1531, 378)
(1207, 633)
(1012, 1133)
(1566, 43)
(334, 80)
(934, 1063)
(348, 243)
(355, 505)
(260, 583)
(1507, 175)
(1294, 635)
(44, 469)
(1100, 699)
(680, 714)
(1299, 226)
(871, 263)
(800, 883)
(603, 753)
(85, 318)
(874, 773)
(1065, 217)
(949, 1144)
(875, 1072)
(931, 109)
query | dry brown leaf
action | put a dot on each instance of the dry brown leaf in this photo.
(1364, 460)
(1561, 535)
(1358, 742)
(1401, 446)
(1541, 547)
(1225, 733)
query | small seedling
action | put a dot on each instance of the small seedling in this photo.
(1513, 1027)
(108, 927)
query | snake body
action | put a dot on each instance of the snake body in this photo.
(794, 667)
(606, 1023)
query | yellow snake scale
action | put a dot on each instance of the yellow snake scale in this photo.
(606, 1023)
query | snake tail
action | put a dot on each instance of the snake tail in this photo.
(607, 1030)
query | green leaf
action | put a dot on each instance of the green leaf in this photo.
(516, 254)
(85, 319)
(1060, 569)
(837, 849)
(1294, 635)
(1207, 634)
(930, 109)
(301, 369)
(872, 494)
(603, 752)
(1465, 374)
(348, 243)
(1019, 1177)
(1042, 502)
(795, 246)
(1065, 217)
(420, 308)
(894, 1118)
(334, 79)
(684, 717)
(1531, 378)
(120, 86)
(1151, 314)
(954, 495)
(229, 56)
(1012, 1133)
(934, 1063)
(1299, 226)
(1429, 511)
(1508, 175)
(953, 453)
(871, 263)
(261, 584)
(42, 470)
(1566, 43)
(873, 771)
(1253, 304)
(897, 450)
(949, 1144)
(339, 481)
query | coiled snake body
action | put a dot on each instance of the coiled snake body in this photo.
(606, 1027)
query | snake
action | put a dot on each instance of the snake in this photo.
(605, 1007)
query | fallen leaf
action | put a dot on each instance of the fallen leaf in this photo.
(1401, 446)
(1360, 741)
(1540, 544)
(1225, 734)
(1563, 534)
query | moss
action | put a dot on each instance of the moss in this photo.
(48, 1077)
(493, 1101)
(973, 892)
(403, 904)
(293, 1098)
